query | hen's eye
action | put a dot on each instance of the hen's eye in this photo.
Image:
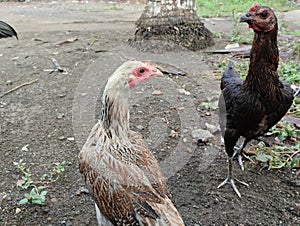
(141, 70)
(264, 14)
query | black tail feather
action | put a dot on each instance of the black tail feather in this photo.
(7, 31)
(229, 74)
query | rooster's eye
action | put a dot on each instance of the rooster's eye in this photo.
(141, 70)
(264, 14)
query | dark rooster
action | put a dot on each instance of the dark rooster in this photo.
(122, 173)
(7, 31)
(250, 108)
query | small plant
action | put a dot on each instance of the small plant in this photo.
(57, 171)
(26, 181)
(285, 130)
(37, 194)
(287, 154)
(278, 156)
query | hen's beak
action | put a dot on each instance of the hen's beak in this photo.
(246, 18)
(157, 73)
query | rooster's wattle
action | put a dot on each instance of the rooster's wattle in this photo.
(122, 174)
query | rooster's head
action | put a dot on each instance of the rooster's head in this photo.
(260, 18)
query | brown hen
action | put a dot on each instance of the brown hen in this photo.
(122, 173)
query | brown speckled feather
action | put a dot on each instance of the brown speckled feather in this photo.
(125, 187)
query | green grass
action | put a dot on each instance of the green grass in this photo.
(290, 71)
(296, 32)
(213, 8)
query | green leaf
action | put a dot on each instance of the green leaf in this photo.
(28, 196)
(23, 201)
(263, 157)
(43, 193)
(37, 201)
(32, 192)
(42, 198)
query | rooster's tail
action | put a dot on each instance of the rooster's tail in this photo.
(230, 72)
(228, 75)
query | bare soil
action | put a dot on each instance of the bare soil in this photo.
(53, 117)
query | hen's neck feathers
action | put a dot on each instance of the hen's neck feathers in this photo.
(264, 59)
(115, 113)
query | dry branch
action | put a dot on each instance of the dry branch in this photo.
(18, 87)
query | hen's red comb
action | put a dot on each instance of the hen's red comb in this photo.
(252, 9)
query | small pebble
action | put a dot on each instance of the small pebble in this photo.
(157, 93)
(18, 210)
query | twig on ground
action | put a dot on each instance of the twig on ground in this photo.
(18, 87)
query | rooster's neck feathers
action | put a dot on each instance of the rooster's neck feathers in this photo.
(264, 53)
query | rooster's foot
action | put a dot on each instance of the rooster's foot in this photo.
(232, 184)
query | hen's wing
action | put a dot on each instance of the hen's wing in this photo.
(127, 188)
(6, 30)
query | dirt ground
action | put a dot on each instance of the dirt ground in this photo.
(54, 114)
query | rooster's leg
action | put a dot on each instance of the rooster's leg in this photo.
(238, 151)
(231, 179)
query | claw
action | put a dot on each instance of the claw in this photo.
(223, 183)
(231, 179)
(234, 188)
(232, 184)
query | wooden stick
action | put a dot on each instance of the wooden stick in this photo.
(18, 87)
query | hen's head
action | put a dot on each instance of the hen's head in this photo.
(260, 18)
(130, 74)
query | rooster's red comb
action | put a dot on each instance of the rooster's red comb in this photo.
(252, 8)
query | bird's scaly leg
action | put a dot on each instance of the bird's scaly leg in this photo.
(231, 179)
(238, 151)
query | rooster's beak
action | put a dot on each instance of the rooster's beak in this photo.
(246, 18)
(157, 72)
